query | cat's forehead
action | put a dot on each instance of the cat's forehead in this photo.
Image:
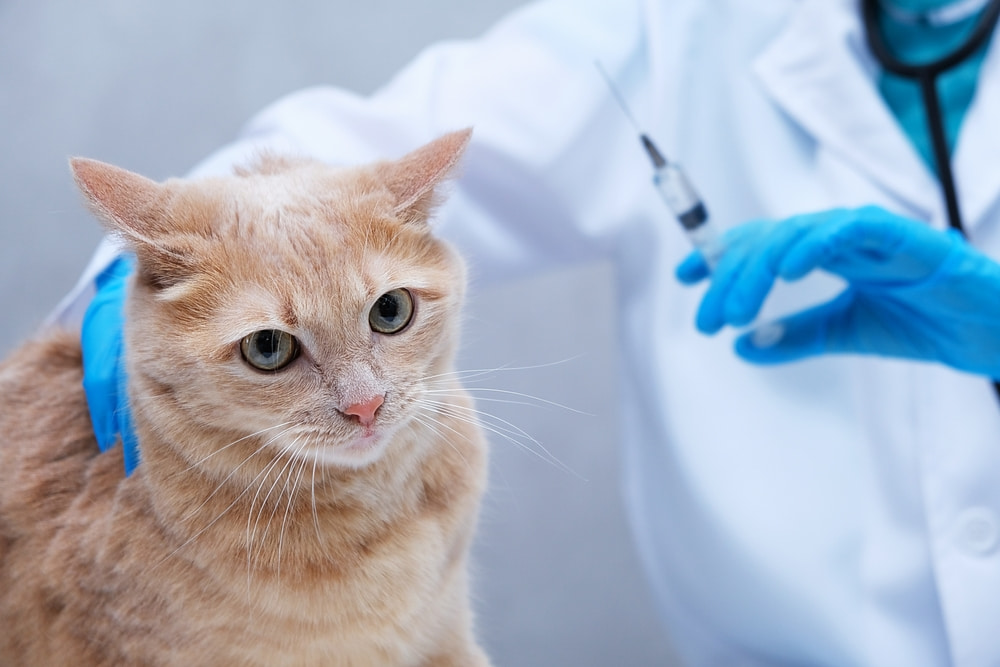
(318, 215)
(307, 223)
(305, 195)
(308, 230)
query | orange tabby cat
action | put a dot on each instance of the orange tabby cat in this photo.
(310, 471)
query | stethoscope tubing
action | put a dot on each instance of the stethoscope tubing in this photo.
(926, 76)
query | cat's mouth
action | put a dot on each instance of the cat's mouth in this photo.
(355, 453)
(347, 442)
(362, 447)
(367, 440)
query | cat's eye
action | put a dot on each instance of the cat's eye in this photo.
(270, 349)
(392, 312)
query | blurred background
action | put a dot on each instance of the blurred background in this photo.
(156, 87)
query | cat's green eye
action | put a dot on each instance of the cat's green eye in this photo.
(392, 312)
(270, 349)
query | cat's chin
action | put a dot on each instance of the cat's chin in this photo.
(362, 451)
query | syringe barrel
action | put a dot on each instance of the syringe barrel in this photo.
(681, 198)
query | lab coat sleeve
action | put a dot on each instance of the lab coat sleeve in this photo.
(542, 182)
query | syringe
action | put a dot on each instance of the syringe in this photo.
(676, 190)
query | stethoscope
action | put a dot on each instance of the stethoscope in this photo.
(926, 76)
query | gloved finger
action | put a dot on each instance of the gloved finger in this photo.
(909, 251)
(100, 341)
(710, 317)
(693, 269)
(804, 334)
(828, 234)
(123, 421)
(759, 272)
(739, 243)
(868, 245)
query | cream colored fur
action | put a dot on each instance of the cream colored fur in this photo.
(265, 525)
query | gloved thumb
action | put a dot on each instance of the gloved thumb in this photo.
(805, 334)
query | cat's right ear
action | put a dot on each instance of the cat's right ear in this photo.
(133, 208)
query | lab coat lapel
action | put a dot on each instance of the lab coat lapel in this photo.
(976, 160)
(819, 70)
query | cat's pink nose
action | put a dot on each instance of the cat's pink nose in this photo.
(365, 411)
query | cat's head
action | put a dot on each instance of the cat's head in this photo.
(292, 304)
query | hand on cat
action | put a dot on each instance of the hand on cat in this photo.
(103, 373)
(913, 292)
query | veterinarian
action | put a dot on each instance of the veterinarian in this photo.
(843, 510)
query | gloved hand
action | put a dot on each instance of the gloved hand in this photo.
(103, 367)
(913, 292)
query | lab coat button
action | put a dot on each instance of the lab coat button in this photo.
(978, 531)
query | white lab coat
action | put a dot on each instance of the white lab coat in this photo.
(838, 511)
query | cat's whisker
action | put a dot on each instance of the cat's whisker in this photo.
(246, 437)
(455, 409)
(479, 399)
(431, 423)
(253, 503)
(504, 429)
(293, 488)
(288, 450)
(292, 494)
(232, 472)
(529, 399)
(443, 386)
(477, 372)
(274, 510)
(506, 434)
(312, 491)
(216, 490)
(217, 517)
(263, 476)
(289, 467)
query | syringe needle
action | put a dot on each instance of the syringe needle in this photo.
(654, 154)
(618, 97)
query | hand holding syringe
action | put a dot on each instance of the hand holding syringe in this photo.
(676, 190)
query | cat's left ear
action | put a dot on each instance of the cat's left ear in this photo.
(413, 178)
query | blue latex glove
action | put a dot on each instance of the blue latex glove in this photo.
(103, 368)
(913, 292)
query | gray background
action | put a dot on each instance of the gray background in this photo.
(155, 87)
